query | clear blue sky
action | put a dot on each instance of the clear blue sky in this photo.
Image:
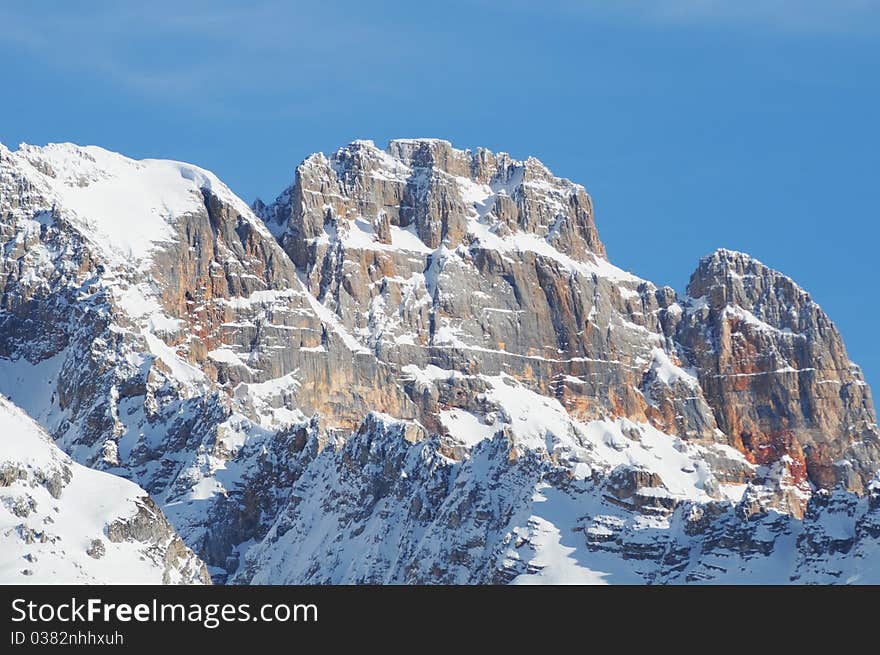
(694, 124)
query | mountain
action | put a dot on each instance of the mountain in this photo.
(418, 365)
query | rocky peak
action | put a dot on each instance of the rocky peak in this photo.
(736, 279)
(437, 189)
(774, 367)
(428, 254)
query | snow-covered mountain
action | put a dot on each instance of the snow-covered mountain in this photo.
(418, 365)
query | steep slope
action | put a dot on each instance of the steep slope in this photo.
(418, 365)
(64, 523)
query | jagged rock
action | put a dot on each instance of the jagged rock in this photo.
(95, 550)
(774, 369)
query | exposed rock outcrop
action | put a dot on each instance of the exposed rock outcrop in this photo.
(774, 368)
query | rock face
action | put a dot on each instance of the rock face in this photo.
(476, 263)
(775, 371)
(64, 523)
(418, 365)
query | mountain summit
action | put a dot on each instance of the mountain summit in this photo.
(418, 365)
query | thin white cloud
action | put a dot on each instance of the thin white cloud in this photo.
(233, 58)
(206, 54)
(805, 16)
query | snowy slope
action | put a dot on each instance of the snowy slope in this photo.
(597, 510)
(125, 207)
(64, 523)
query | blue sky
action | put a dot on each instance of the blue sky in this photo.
(695, 124)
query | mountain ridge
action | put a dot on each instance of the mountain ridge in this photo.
(454, 310)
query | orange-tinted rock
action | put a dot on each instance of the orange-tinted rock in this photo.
(774, 369)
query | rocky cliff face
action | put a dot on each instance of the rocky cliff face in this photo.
(418, 365)
(776, 373)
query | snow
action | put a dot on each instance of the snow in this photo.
(180, 369)
(747, 316)
(405, 238)
(260, 297)
(125, 207)
(733, 492)
(87, 503)
(562, 557)
(786, 369)
(139, 302)
(466, 427)
(23, 441)
(541, 423)
(226, 355)
(360, 234)
(272, 387)
(31, 387)
(272, 400)
(425, 377)
(533, 418)
(669, 373)
(556, 562)
(519, 242)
